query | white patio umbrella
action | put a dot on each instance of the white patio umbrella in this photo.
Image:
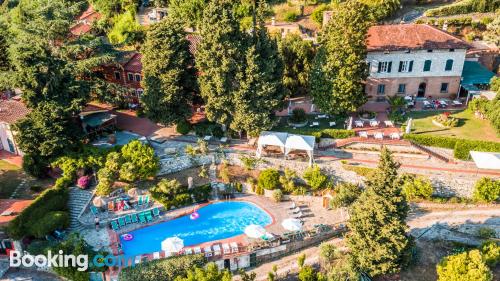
(172, 244)
(292, 224)
(255, 231)
(98, 201)
(133, 192)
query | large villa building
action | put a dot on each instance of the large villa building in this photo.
(413, 59)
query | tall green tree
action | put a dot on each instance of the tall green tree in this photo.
(492, 33)
(210, 273)
(169, 75)
(54, 73)
(297, 55)
(219, 58)
(261, 90)
(466, 266)
(340, 68)
(378, 241)
(189, 11)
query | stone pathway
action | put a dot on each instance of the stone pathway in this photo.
(78, 199)
(19, 188)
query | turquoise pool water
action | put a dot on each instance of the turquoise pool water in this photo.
(217, 221)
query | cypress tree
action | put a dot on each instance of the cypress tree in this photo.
(339, 69)
(169, 75)
(378, 241)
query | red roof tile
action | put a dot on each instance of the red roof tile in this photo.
(80, 28)
(134, 64)
(89, 14)
(12, 111)
(411, 36)
(194, 40)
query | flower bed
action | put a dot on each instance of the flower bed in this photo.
(445, 120)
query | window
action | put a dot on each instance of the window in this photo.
(117, 75)
(139, 92)
(369, 67)
(405, 66)
(384, 66)
(444, 87)
(381, 89)
(427, 65)
(429, 51)
(138, 77)
(452, 50)
(449, 65)
(130, 76)
(401, 88)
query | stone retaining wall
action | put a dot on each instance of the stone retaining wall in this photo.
(179, 163)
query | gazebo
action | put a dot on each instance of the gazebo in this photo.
(268, 138)
(287, 143)
(486, 160)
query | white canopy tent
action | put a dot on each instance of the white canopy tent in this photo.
(300, 142)
(486, 160)
(267, 138)
(286, 142)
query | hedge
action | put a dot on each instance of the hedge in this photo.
(325, 133)
(430, 140)
(49, 222)
(464, 7)
(164, 269)
(461, 147)
(50, 200)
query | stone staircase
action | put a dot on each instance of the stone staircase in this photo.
(78, 199)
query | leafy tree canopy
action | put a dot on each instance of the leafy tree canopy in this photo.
(466, 266)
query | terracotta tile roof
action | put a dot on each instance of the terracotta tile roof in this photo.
(12, 111)
(10, 208)
(80, 28)
(411, 36)
(134, 64)
(89, 14)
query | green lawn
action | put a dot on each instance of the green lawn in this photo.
(324, 123)
(468, 127)
(10, 178)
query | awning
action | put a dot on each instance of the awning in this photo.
(272, 138)
(471, 88)
(474, 73)
(300, 142)
(486, 160)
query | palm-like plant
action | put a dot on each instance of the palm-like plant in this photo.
(396, 102)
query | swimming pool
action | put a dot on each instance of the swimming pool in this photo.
(217, 221)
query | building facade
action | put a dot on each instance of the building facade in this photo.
(11, 110)
(413, 59)
(127, 71)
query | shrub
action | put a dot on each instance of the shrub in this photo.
(288, 180)
(416, 187)
(49, 222)
(113, 162)
(290, 16)
(464, 7)
(278, 195)
(429, 140)
(315, 178)
(201, 193)
(298, 116)
(464, 266)
(269, 179)
(337, 133)
(105, 182)
(486, 232)
(170, 193)
(53, 199)
(238, 186)
(142, 159)
(360, 170)
(252, 183)
(164, 269)
(446, 120)
(249, 162)
(183, 127)
(317, 14)
(345, 194)
(125, 29)
(491, 253)
(486, 190)
(224, 173)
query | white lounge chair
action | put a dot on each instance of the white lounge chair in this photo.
(216, 249)
(188, 251)
(156, 255)
(358, 123)
(374, 123)
(333, 123)
(226, 248)
(234, 247)
(208, 251)
(456, 103)
(395, 136)
(388, 123)
(363, 134)
(379, 136)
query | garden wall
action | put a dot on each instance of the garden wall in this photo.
(179, 163)
(445, 184)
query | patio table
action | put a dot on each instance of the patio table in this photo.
(456, 103)
(358, 123)
(379, 136)
(374, 123)
(394, 136)
(363, 134)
